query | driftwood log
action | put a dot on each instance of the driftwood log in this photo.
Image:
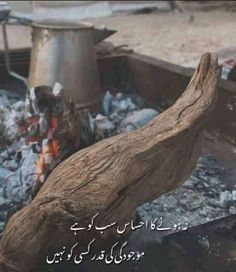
(113, 177)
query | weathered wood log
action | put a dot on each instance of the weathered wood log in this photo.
(113, 177)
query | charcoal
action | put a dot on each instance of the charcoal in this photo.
(12, 96)
(123, 113)
(25, 159)
(120, 103)
(3, 174)
(1, 226)
(234, 195)
(213, 203)
(57, 89)
(10, 118)
(203, 240)
(4, 101)
(232, 210)
(138, 119)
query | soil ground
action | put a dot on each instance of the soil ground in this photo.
(165, 35)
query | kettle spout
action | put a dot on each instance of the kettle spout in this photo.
(102, 32)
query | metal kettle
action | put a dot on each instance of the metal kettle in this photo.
(65, 53)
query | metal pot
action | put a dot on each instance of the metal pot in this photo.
(64, 53)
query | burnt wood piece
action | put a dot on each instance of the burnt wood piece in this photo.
(113, 177)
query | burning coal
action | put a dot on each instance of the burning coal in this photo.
(44, 129)
(38, 133)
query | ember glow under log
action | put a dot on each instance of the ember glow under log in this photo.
(113, 177)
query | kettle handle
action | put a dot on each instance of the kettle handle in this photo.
(7, 57)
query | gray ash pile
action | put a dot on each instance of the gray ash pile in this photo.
(25, 137)
(202, 198)
(122, 112)
(36, 135)
(11, 114)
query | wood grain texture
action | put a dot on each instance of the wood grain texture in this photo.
(113, 177)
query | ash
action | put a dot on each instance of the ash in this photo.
(202, 198)
(15, 178)
(120, 113)
(36, 135)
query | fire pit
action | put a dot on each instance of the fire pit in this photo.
(207, 180)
